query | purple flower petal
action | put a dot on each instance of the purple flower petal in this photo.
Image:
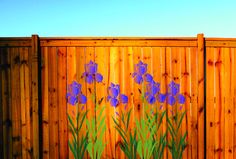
(161, 98)
(98, 77)
(113, 92)
(82, 99)
(141, 68)
(123, 99)
(181, 99)
(89, 78)
(108, 98)
(72, 100)
(138, 79)
(134, 74)
(153, 88)
(114, 102)
(151, 99)
(74, 88)
(148, 77)
(171, 100)
(91, 67)
(173, 88)
(113, 85)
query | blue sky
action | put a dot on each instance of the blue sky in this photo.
(158, 18)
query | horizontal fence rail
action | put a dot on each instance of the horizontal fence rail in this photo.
(35, 73)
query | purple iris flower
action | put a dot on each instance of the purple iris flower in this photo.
(114, 96)
(181, 99)
(137, 78)
(153, 88)
(173, 88)
(91, 74)
(91, 67)
(161, 98)
(148, 77)
(74, 94)
(150, 98)
(139, 70)
(123, 99)
(173, 94)
(74, 88)
(114, 90)
(171, 100)
(72, 99)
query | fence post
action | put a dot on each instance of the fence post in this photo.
(201, 96)
(35, 94)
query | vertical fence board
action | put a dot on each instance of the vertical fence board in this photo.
(130, 69)
(137, 56)
(228, 104)
(114, 78)
(53, 103)
(71, 76)
(146, 58)
(1, 106)
(184, 89)
(23, 62)
(163, 90)
(35, 95)
(101, 88)
(233, 93)
(80, 68)
(194, 97)
(169, 75)
(219, 109)
(16, 107)
(5, 102)
(109, 109)
(187, 78)
(62, 114)
(123, 85)
(200, 110)
(45, 102)
(210, 109)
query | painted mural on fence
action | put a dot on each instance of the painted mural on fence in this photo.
(143, 139)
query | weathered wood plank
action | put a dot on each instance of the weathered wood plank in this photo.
(210, 103)
(34, 96)
(201, 94)
(219, 108)
(117, 42)
(228, 104)
(16, 105)
(71, 76)
(45, 102)
(53, 103)
(62, 110)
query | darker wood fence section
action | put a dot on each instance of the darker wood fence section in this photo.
(35, 72)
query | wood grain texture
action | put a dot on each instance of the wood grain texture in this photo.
(71, 76)
(62, 110)
(53, 103)
(201, 94)
(16, 106)
(210, 103)
(34, 93)
(45, 102)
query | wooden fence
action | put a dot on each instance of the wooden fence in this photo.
(35, 73)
